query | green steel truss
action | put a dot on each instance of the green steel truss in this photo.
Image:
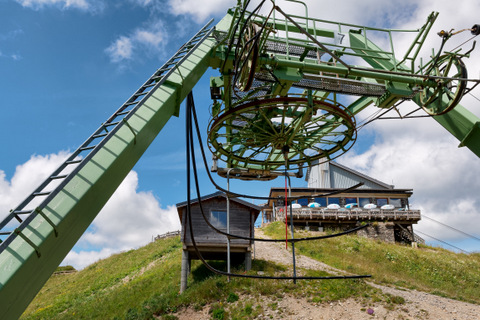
(274, 55)
(277, 105)
(34, 240)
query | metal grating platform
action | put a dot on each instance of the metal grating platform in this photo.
(340, 85)
(332, 83)
(293, 49)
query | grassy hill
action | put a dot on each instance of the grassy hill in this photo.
(144, 283)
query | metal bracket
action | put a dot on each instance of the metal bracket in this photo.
(37, 250)
(131, 129)
(50, 222)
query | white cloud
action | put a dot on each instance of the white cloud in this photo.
(64, 4)
(200, 9)
(421, 154)
(143, 40)
(121, 49)
(82, 259)
(15, 57)
(143, 3)
(129, 219)
(11, 34)
(27, 177)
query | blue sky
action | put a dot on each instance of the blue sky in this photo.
(67, 65)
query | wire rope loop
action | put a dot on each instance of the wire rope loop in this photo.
(254, 133)
(190, 156)
(449, 89)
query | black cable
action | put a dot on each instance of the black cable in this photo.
(189, 217)
(238, 195)
(451, 245)
(445, 225)
(255, 39)
(191, 109)
(234, 31)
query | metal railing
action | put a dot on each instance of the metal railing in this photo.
(167, 235)
(348, 214)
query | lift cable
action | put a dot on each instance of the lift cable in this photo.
(451, 245)
(190, 156)
(445, 225)
(238, 195)
(191, 107)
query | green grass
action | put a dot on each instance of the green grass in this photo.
(111, 286)
(428, 269)
(144, 283)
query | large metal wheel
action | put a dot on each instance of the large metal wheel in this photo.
(261, 133)
(246, 60)
(443, 98)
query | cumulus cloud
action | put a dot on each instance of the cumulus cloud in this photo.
(129, 219)
(121, 49)
(143, 40)
(420, 154)
(27, 177)
(200, 10)
(143, 3)
(64, 4)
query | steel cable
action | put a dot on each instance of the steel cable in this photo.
(190, 156)
(191, 108)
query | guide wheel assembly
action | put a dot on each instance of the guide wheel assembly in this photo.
(267, 133)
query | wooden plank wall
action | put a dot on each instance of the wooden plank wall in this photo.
(240, 223)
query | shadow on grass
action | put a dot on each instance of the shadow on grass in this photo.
(201, 272)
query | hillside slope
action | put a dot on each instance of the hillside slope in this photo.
(144, 284)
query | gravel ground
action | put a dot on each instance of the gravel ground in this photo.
(418, 305)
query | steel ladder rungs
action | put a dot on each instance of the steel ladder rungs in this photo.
(36, 194)
(130, 103)
(123, 113)
(111, 124)
(86, 148)
(73, 161)
(101, 135)
(140, 94)
(149, 85)
(63, 176)
(22, 212)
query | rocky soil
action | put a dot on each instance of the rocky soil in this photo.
(418, 305)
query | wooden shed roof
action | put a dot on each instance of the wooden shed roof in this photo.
(218, 194)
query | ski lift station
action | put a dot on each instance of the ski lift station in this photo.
(286, 97)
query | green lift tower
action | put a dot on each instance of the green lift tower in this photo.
(278, 104)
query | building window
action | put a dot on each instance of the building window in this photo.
(382, 202)
(396, 202)
(218, 219)
(303, 202)
(364, 201)
(350, 200)
(322, 201)
(334, 200)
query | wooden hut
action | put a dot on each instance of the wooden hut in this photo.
(211, 244)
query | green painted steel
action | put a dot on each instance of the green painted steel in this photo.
(460, 122)
(270, 56)
(464, 126)
(35, 252)
(23, 268)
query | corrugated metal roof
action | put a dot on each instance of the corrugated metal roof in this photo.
(344, 177)
(337, 176)
(219, 194)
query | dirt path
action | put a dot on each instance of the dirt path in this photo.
(418, 305)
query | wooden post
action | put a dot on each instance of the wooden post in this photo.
(185, 270)
(248, 260)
